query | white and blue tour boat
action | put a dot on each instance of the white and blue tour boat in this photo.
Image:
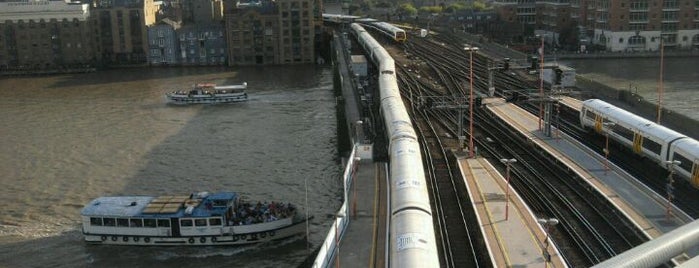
(209, 93)
(198, 219)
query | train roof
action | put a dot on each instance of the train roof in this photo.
(639, 123)
(387, 25)
(166, 206)
(339, 16)
(688, 145)
(365, 20)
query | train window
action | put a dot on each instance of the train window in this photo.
(122, 222)
(96, 221)
(136, 223)
(652, 146)
(149, 223)
(685, 163)
(186, 223)
(109, 222)
(386, 72)
(621, 131)
(163, 223)
(590, 115)
(215, 221)
(200, 222)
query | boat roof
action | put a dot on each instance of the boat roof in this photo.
(166, 206)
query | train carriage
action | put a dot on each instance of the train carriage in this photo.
(641, 135)
(397, 34)
(644, 137)
(687, 152)
(412, 233)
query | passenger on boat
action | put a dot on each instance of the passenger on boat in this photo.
(245, 213)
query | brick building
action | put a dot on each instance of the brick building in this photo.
(44, 35)
(623, 25)
(271, 32)
(121, 28)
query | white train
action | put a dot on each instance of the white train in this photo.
(412, 242)
(644, 137)
(390, 30)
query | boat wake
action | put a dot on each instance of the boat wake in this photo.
(212, 251)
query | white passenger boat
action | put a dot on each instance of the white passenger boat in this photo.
(198, 219)
(209, 93)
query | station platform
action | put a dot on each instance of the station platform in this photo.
(363, 240)
(572, 103)
(363, 243)
(645, 208)
(516, 241)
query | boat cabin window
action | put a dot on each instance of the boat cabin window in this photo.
(96, 221)
(109, 222)
(122, 222)
(200, 222)
(163, 223)
(220, 203)
(136, 223)
(149, 223)
(215, 221)
(186, 223)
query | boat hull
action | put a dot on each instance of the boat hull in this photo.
(206, 99)
(227, 239)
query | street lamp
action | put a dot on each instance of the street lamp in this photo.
(671, 166)
(470, 50)
(541, 81)
(609, 126)
(507, 163)
(660, 80)
(547, 223)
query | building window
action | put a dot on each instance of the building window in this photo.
(670, 4)
(637, 40)
(639, 5)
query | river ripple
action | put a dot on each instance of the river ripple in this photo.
(67, 139)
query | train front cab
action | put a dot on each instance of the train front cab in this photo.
(687, 152)
(401, 36)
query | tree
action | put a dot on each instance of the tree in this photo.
(406, 9)
(383, 5)
(454, 8)
(479, 5)
(431, 9)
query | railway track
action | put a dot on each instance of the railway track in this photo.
(454, 235)
(588, 234)
(591, 233)
(567, 121)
